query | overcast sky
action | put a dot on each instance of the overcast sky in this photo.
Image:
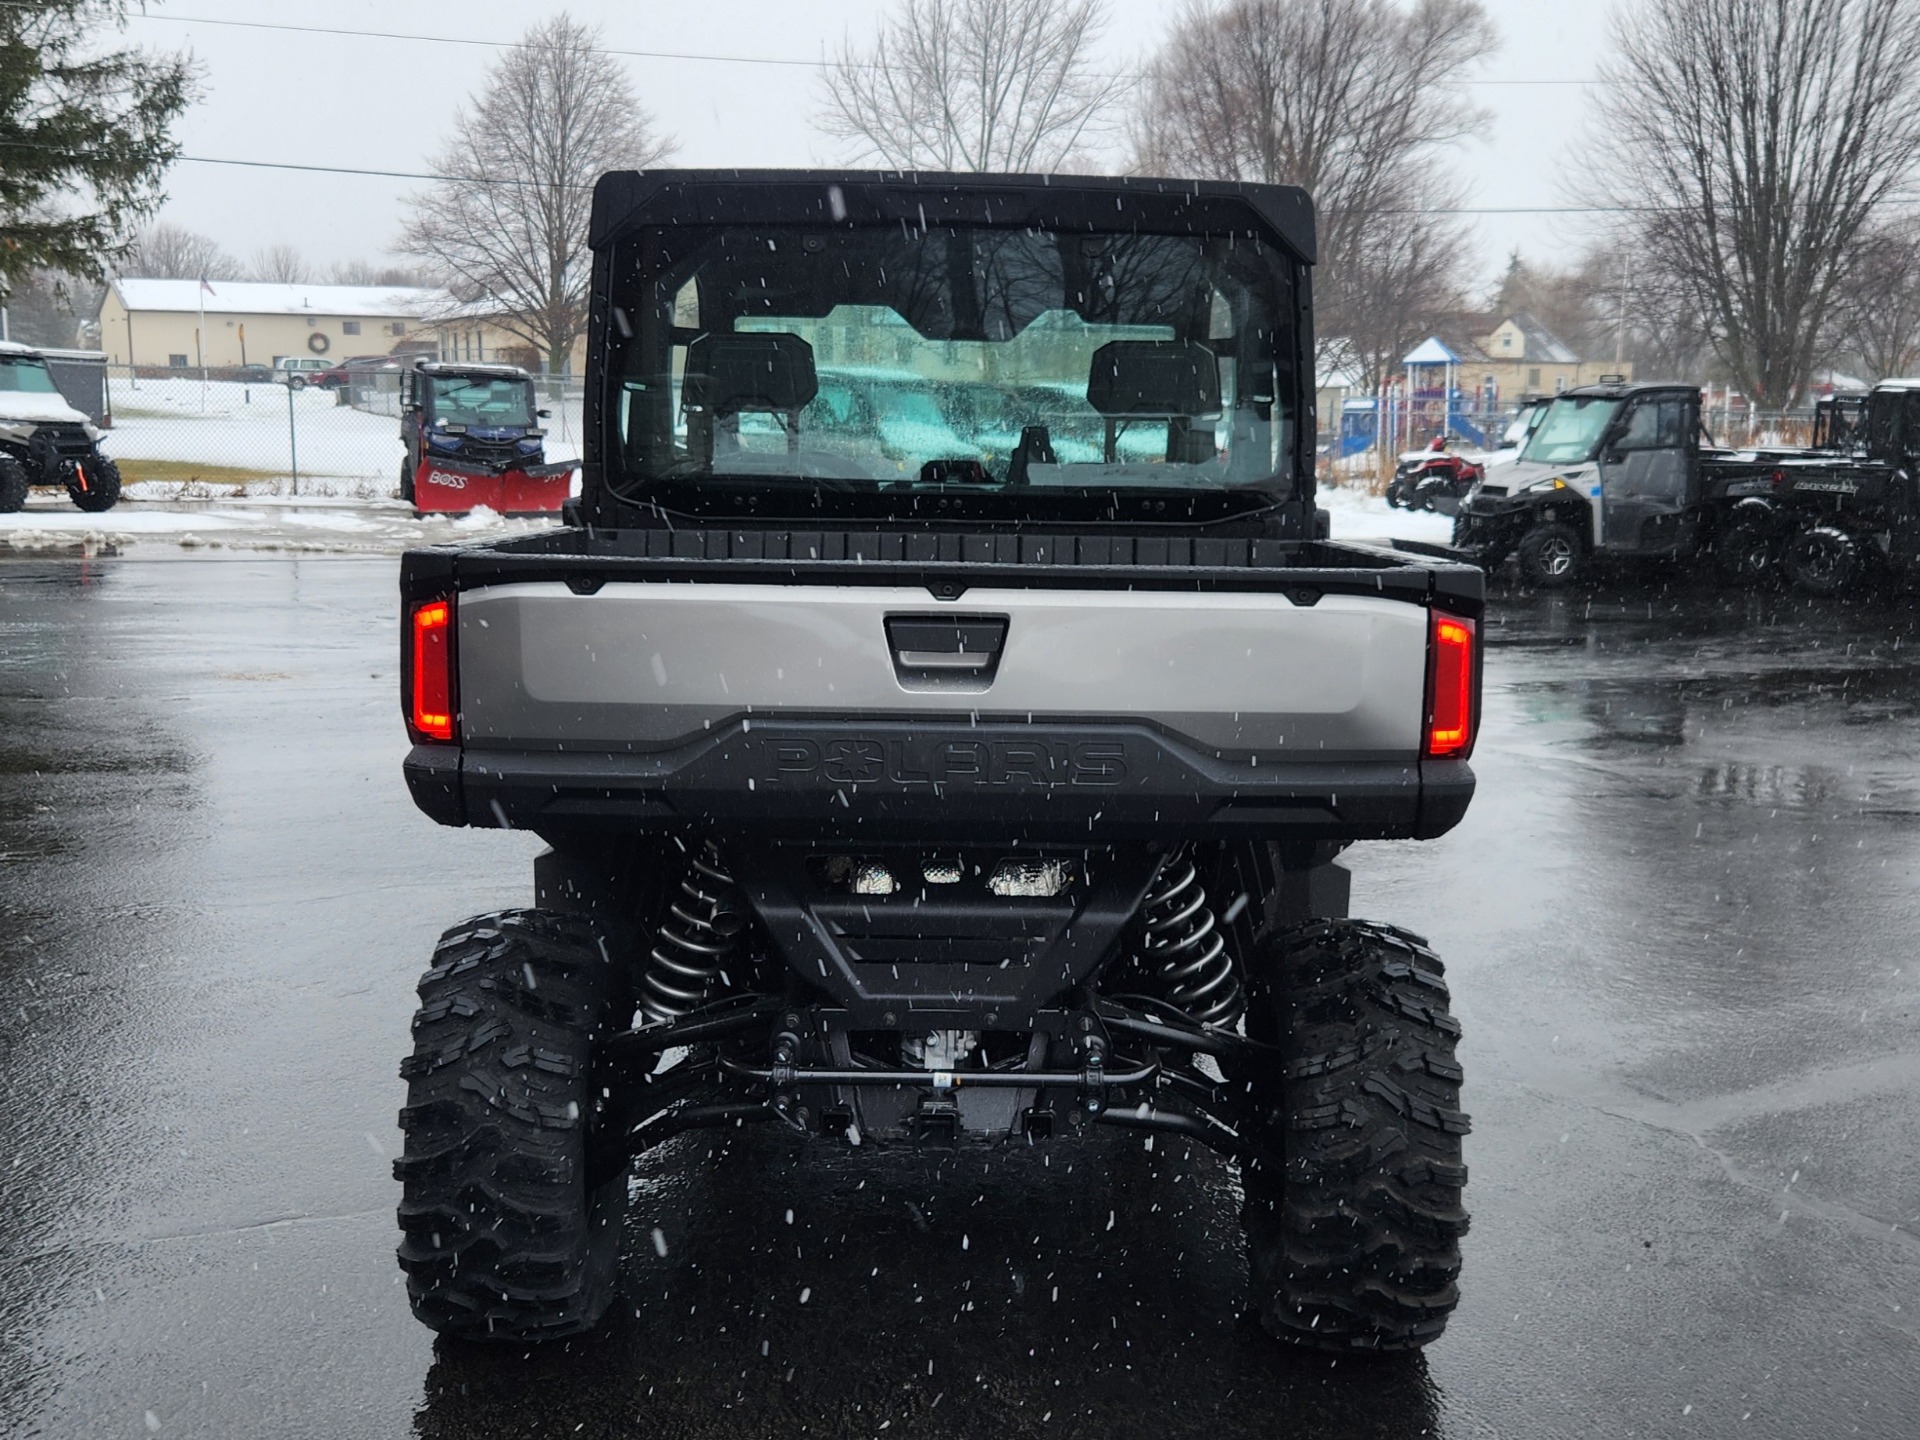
(385, 104)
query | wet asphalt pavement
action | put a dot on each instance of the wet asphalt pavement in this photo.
(1681, 924)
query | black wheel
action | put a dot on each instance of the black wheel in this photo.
(1744, 552)
(1353, 1229)
(296, 383)
(1551, 555)
(1824, 560)
(94, 485)
(14, 484)
(1396, 494)
(504, 1236)
(406, 482)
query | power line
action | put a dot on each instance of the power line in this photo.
(1396, 210)
(703, 57)
(437, 176)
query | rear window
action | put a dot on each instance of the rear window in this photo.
(762, 367)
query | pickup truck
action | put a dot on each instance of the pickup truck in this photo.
(985, 793)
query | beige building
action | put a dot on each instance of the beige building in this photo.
(1514, 356)
(178, 325)
(158, 323)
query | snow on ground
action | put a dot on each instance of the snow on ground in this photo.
(247, 526)
(1356, 515)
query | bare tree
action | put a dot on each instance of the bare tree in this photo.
(1882, 324)
(973, 85)
(1762, 136)
(507, 233)
(280, 264)
(366, 272)
(172, 252)
(1352, 99)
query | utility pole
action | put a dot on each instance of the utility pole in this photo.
(1620, 322)
(133, 375)
(293, 439)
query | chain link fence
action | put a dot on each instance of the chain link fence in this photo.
(177, 436)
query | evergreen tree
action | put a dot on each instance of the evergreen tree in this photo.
(85, 135)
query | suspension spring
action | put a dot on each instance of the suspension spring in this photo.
(705, 920)
(1184, 949)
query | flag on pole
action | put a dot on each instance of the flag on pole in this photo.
(200, 341)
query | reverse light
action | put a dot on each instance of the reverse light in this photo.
(1450, 688)
(432, 710)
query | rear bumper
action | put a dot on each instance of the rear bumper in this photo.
(903, 780)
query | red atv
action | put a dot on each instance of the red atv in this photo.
(1432, 479)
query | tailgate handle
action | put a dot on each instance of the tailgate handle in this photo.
(930, 649)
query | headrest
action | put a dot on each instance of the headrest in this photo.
(733, 374)
(1154, 379)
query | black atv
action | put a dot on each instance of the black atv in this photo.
(45, 441)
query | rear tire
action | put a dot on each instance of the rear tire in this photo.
(1824, 560)
(1354, 1238)
(14, 484)
(1551, 555)
(504, 1238)
(406, 482)
(103, 486)
(1744, 552)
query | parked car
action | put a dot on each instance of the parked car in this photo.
(297, 372)
(342, 374)
(252, 374)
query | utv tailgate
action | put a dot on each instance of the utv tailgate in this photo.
(1012, 710)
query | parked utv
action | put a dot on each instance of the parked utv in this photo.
(940, 797)
(1609, 469)
(1621, 471)
(45, 441)
(473, 438)
(1855, 509)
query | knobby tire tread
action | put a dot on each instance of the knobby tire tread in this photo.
(502, 1238)
(1355, 1242)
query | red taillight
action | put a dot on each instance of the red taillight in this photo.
(432, 714)
(1450, 659)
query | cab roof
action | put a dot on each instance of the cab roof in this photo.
(454, 367)
(626, 200)
(1623, 390)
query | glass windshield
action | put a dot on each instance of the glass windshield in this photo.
(1572, 430)
(466, 400)
(953, 361)
(26, 372)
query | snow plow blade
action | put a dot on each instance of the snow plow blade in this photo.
(448, 487)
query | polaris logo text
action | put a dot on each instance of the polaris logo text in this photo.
(967, 763)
